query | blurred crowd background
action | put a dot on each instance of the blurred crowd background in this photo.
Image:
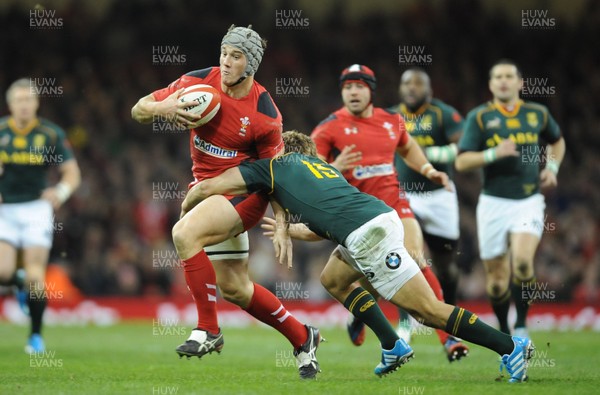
(113, 236)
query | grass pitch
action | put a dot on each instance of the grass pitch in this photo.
(139, 358)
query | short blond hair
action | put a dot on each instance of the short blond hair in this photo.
(20, 83)
(295, 141)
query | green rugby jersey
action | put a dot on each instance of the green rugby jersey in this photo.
(431, 125)
(487, 125)
(314, 192)
(25, 156)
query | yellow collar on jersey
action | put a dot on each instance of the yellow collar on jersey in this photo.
(420, 110)
(23, 131)
(507, 113)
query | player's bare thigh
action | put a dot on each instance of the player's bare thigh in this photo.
(413, 240)
(8, 261)
(212, 221)
(522, 248)
(338, 277)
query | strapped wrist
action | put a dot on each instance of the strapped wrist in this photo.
(553, 166)
(426, 168)
(430, 173)
(489, 155)
(63, 191)
(442, 154)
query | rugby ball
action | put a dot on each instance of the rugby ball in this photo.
(208, 102)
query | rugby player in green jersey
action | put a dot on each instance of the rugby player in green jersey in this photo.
(509, 138)
(437, 127)
(371, 244)
(29, 146)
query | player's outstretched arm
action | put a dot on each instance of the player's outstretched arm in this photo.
(69, 182)
(472, 160)
(413, 156)
(229, 182)
(147, 109)
(554, 156)
(296, 231)
(441, 154)
(281, 236)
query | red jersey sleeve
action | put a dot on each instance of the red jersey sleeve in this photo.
(270, 143)
(191, 78)
(323, 140)
(404, 137)
(162, 94)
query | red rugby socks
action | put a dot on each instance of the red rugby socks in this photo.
(265, 307)
(202, 282)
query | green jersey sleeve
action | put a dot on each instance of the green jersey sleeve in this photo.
(453, 121)
(58, 138)
(63, 147)
(472, 138)
(257, 175)
(551, 133)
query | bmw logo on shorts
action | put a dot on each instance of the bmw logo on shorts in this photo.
(393, 260)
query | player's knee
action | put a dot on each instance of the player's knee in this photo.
(496, 289)
(326, 280)
(182, 238)
(523, 269)
(331, 284)
(35, 272)
(178, 235)
(5, 276)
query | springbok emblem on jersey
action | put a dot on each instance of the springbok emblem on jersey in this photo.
(494, 123)
(390, 128)
(245, 122)
(352, 130)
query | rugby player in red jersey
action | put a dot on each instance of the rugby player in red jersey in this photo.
(361, 140)
(248, 126)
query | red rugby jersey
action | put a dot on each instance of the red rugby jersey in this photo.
(377, 138)
(244, 129)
